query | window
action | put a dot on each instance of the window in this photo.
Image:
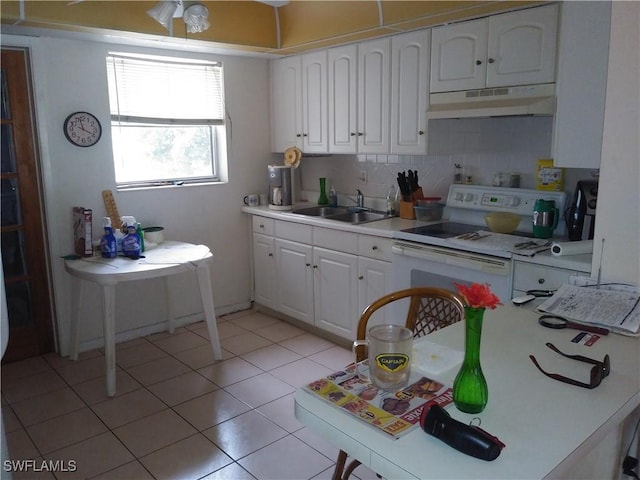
(167, 120)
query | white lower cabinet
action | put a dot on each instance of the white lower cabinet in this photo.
(335, 285)
(264, 270)
(317, 275)
(294, 280)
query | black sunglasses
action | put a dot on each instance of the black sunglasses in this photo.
(600, 369)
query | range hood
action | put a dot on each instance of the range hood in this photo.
(494, 102)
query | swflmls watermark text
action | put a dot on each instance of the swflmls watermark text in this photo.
(40, 466)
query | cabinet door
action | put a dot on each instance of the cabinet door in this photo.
(458, 56)
(264, 270)
(294, 280)
(342, 87)
(314, 102)
(409, 74)
(374, 277)
(373, 96)
(336, 292)
(522, 47)
(579, 118)
(286, 104)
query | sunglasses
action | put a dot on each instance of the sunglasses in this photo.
(600, 369)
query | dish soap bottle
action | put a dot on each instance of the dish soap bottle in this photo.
(333, 197)
(391, 201)
(108, 245)
(131, 241)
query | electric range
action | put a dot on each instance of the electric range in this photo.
(443, 254)
(464, 212)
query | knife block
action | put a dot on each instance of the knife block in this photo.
(406, 210)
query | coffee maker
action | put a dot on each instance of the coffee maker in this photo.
(280, 187)
(581, 215)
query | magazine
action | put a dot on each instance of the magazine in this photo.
(392, 412)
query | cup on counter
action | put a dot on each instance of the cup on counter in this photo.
(389, 353)
(252, 200)
(263, 199)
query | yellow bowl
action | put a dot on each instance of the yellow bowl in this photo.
(502, 222)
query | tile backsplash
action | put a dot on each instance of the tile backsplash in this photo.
(481, 146)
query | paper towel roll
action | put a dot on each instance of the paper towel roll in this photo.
(572, 248)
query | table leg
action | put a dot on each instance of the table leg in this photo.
(76, 296)
(108, 312)
(167, 302)
(206, 294)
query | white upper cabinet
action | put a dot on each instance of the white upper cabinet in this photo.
(314, 102)
(299, 103)
(286, 104)
(409, 77)
(458, 56)
(583, 56)
(374, 77)
(517, 48)
(343, 102)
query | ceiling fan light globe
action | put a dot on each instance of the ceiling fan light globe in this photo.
(196, 17)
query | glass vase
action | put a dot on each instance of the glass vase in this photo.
(470, 392)
(323, 199)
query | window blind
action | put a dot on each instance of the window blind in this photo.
(179, 93)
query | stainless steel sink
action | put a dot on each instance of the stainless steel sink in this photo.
(353, 215)
(321, 211)
(358, 217)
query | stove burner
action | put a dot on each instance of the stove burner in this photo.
(443, 230)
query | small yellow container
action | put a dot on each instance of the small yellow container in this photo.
(548, 177)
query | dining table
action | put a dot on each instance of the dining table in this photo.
(166, 259)
(550, 429)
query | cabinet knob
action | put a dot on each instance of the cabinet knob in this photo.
(491, 60)
(420, 132)
(541, 281)
(478, 62)
(360, 277)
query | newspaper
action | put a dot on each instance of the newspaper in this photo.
(618, 311)
(392, 412)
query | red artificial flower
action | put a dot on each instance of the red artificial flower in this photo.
(478, 295)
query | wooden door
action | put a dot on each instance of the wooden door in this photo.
(24, 249)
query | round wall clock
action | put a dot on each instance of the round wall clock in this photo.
(82, 129)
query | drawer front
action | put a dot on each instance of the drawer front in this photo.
(263, 225)
(296, 232)
(335, 240)
(528, 276)
(374, 247)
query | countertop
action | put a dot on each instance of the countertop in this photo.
(385, 228)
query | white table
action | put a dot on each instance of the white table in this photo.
(548, 427)
(169, 258)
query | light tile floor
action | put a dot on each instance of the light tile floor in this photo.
(178, 414)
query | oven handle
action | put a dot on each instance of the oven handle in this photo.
(457, 258)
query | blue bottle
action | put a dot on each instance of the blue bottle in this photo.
(108, 245)
(131, 241)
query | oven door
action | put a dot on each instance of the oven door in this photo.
(415, 265)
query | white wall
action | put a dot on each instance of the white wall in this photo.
(618, 217)
(70, 75)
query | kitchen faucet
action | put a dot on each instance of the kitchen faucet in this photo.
(359, 199)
